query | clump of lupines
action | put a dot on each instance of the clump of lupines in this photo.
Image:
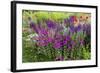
(55, 36)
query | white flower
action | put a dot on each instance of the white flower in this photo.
(29, 37)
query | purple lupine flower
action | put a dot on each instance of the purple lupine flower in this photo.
(43, 32)
(72, 29)
(75, 29)
(59, 58)
(72, 19)
(68, 37)
(34, 27)
(43, 40)
(51, 24)
(66, 40)
(70, 43)
(60, 41)
(78, 28)
(58, 36)
(59, 28)
(50, 40)
(57, 43)
(87, 28)
(65, 21)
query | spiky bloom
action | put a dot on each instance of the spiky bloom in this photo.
(75, 29)
(43, 41)
(57, 42)
(51, 24)
(87, 29)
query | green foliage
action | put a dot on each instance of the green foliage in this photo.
(43, 15)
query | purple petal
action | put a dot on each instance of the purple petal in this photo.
(51, 24)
